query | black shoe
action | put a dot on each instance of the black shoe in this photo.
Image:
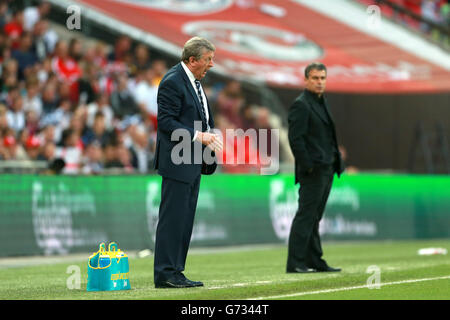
(299, 270)
(194, 283)
(175, 283)
(329, 269)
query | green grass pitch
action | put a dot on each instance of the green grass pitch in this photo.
(254, 272)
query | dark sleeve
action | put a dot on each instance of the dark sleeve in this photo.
(298, 119)
(115, 104)
(169, 108)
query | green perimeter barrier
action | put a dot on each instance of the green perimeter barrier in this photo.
(65, 214)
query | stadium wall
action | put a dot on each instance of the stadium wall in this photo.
(67, 214)
(379, 130)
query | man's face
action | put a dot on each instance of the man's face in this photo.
(201, 66)
(316, 81)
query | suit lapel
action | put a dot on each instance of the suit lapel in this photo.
(192, 91)
(328, 110)
(315, 107)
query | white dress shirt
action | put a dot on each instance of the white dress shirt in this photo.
(205, 102)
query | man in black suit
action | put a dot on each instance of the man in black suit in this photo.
(183, 113)
(312, 137)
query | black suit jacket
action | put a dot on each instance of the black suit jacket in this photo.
(178, 108)
(312, 135)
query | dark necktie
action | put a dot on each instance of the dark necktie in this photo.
(199, 93)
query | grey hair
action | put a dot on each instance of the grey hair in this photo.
(196, 47)
(315, 66)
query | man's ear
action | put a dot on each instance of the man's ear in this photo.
(192, 59)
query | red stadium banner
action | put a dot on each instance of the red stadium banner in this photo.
(272, 42)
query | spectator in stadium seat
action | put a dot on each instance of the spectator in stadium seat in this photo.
(32, 100)
(122, 100)
(5, 51)
(254, 116)
(76, 49)
(87, 88)
(141, 59)
(39, 46)
(47, 152)
(10, 66)
(247, 114)
(140, 153)
(98, 131)
(32, 147)
(3, 151)
(92, 162)
(60, 117)
(16, 115)
(3, 118)
(3, 130)
(44, 40)
(14, 28)
(77, 124)
(35, 13)
(31, 122)
(121, 49)
(230, 154)
(4, 14)
(430, 12)
(24, 54)
(64, 91)
(70, 151)
(145, 95)
(49, 98)
(230, 101)
(101, 104)
(100, 55)
(9, 88)
(44, 72)
(9, 81)
(159, 66)
(63, 65)
(47, 134)
(124, 157)
(110, 156)
(11, 150)
(312, 137)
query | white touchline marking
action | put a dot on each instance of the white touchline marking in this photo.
(347, 288)
(232, 285)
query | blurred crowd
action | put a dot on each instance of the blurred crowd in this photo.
(437, 11)
(87, 110)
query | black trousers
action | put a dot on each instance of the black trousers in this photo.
(174, 229)
(304, 246)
